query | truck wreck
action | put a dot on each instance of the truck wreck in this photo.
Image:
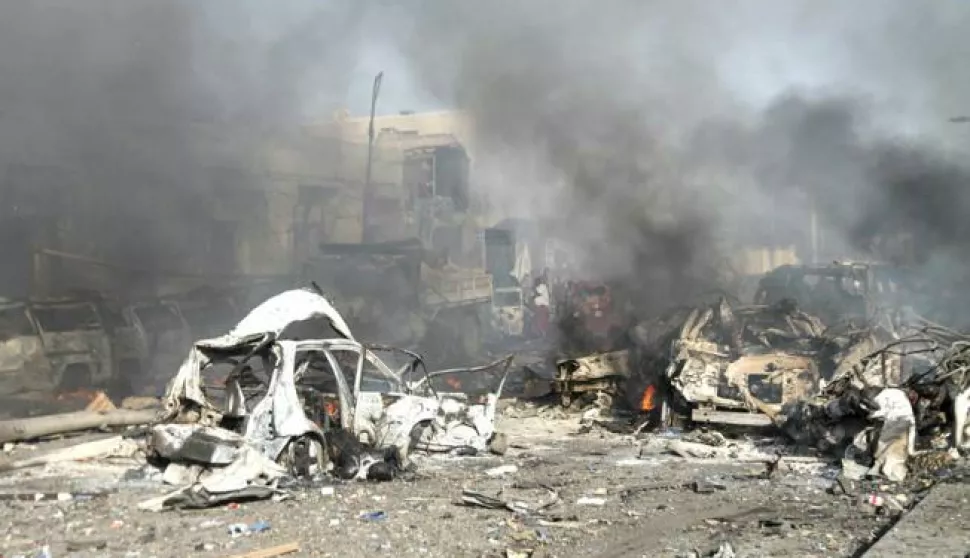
(280, 401)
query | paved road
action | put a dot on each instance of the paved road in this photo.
(939, 526)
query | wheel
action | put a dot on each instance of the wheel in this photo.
(565, 399)
(499, 444)
(305, 456)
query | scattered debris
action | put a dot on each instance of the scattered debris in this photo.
(590, 501)
(271, 552)
(501, 471)
(374, 516)
(238, 529)
(16, 430)
(478, 499)
(598, 373)
(80, 545)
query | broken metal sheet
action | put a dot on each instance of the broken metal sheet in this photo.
(249, 475)
(593, 367)
(196, 497)
(279, 415)
(482, 500)
(250, 467)
(445, 424)
(177, 474)
(278, 312)
(896, 439)
(195, 444)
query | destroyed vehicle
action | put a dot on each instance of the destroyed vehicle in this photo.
(729, 365)
(837, 291)
(283, 395)
(64, 345)
(602, 372)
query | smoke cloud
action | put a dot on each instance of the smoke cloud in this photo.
(660, 136)
(117, 118)
(656, 136)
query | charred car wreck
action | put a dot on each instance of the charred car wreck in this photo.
(887, 399)
(280, 406)
(727, 364)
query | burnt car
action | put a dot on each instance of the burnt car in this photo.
(57, 345)
(729, 365)
(851, 291)
(601, 372)
(281, 393)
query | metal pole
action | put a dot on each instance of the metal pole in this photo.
(368, 195)
(814, 226)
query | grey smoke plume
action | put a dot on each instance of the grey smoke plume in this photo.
(580, 138)
(116, 118)
(663, 135)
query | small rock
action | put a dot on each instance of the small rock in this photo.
(589, 501)
(502, 471)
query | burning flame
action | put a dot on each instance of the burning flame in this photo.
(96, 401)
(453, 382)
(77, 394)
(646, 402)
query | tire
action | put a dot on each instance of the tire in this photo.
(499, 444)
(413, 438)
(298, 458)
(565, 399)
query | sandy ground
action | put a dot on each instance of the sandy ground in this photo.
(635, 506)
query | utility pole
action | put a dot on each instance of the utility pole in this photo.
(368, 194)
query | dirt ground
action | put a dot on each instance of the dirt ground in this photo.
(612, 502)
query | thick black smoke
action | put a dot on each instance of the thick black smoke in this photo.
(639, 130)
(570, 132)
(120, 121)
(882, 198)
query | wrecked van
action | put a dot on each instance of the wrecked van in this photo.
(731, 365)
(59, 345)
(283, 394)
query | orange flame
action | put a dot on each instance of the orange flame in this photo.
(94, 401)
(646, 402)
(77, 394)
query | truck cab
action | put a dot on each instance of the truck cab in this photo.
(834, 292)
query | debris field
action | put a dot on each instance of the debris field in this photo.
(724, 430)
